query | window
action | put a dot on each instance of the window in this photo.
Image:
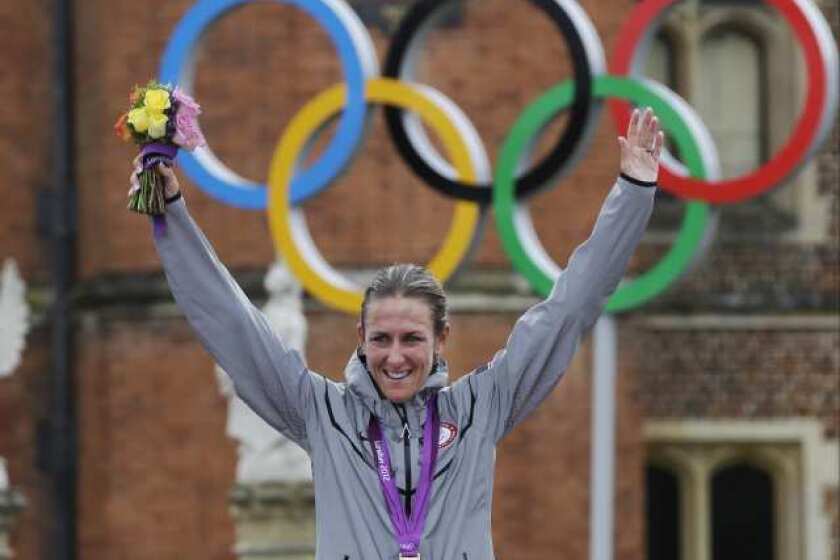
(662, 513)
(738, 65)
(742, 513)
(729, 98)
(661, 66)
(661, 59)
(738, 490)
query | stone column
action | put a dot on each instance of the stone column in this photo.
(272, 502)
(11, 503)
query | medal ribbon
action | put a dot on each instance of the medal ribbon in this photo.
(409, 530)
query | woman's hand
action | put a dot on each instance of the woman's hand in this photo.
(171, 187)
(641, 148)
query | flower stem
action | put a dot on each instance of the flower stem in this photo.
(149, 198)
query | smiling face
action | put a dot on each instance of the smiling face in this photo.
(400, 345)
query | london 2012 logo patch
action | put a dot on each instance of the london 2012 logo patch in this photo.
(448, 432)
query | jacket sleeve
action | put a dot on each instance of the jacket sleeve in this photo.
(544, 340)
(269, 377)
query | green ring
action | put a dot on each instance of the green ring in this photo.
(692, 230)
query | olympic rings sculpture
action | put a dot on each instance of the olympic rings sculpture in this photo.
(466, 174)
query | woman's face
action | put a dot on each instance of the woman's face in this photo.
(399, 342)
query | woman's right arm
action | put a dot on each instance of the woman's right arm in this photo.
(270, 378)
(545, 339)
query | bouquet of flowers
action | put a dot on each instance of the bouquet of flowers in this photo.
(159, 120)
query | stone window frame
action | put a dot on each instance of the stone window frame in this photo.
(801, 463)
(797, 205)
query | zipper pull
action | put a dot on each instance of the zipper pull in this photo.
(406, 432)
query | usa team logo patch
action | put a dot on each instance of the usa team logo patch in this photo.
(447, 434)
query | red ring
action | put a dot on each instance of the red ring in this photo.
(789, 156)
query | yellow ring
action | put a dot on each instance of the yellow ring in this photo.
(288, 225)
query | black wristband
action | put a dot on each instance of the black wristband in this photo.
(638, 183)
(173, 198)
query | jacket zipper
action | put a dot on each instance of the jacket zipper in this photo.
(406, 437)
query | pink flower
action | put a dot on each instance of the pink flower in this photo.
(187, 132)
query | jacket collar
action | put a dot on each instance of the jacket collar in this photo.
(360, 381)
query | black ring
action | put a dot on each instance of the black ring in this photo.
(541, 174)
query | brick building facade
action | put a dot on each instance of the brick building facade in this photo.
(748, 338)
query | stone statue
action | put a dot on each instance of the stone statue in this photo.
(14, 318)
(264, 454)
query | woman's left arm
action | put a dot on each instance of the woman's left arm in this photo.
(545, 338)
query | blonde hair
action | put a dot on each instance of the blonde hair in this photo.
(410, 281)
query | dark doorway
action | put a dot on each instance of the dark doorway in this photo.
(662, 512)
(742, 514)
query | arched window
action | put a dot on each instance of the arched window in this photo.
(729, 489)
(661, 59)
(742, 514)
(730, 98)
(738, 65)
(662, 514)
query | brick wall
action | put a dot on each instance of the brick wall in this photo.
(22, 406)
(26, 140)
(26, 158)
(251, 89)
(715, 374)
(155, 465)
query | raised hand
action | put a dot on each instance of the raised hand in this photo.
(641, 148)
(171, 187)
(170, 181)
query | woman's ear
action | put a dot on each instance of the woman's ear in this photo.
(360, 331)
(441, 338)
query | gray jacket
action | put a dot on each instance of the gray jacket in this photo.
(329, 420)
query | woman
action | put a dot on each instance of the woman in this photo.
(402, 462)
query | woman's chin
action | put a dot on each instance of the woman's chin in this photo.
(399, 396)
(398, 392)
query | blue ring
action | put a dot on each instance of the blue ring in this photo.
(350, 127)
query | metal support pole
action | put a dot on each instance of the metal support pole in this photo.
(61, 441)
(602, 467)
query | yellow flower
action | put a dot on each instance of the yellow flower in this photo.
(139, 119)
(157, 125)
(156, 100)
